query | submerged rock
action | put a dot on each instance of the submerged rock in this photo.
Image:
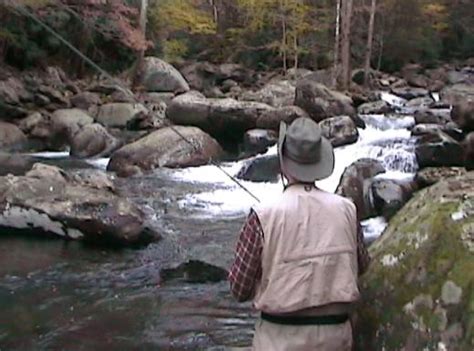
(261, 169)
(258, 140)
(165, 148)
(418, 291)
(49, 201)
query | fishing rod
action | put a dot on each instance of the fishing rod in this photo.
(23, 11)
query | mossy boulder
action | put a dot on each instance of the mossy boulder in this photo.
(418, 293)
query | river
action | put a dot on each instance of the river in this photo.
(57, 295)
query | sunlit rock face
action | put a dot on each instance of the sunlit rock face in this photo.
(419, 290)
(49, 201)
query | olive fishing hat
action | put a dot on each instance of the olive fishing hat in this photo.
(304, 153)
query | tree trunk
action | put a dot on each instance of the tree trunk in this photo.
(295, 45)
(283, 43)
(141, 53)
(370, 36)
(337, 43)
(346, 17)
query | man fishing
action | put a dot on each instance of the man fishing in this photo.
(299, 257)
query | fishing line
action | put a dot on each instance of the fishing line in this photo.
(25, 12)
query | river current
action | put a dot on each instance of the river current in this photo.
(57, 295)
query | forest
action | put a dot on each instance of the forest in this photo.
(261, 34)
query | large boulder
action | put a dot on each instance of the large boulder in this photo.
(277, 94)
(340, 130)
(456, 94)
(418, 291)
(463, 115)
(431, 175)
(165, 148)
(49, 201)
(439, 150)
(159, 76)
(321, 102)
(11, 137)
(355, 184)
(223, 118)
(374, 108)
(93, 140)
(118, 114)
(271, 119)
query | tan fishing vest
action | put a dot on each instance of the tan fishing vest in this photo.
(309, 256)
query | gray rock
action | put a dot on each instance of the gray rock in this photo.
(258, 140)
(421, 102)
(276, 94)
(340, 130)
(15, 164)
(388, 196)
(159, 76)
(85, 100)
(433, 116)
(11, 137)
(224, 118)
(153, 119)
(439, 150)
(321, 102)
(406, 303)
(468, 145)
(431, 175)
(463, 115)
(48, 201)
(93, 140)
(261, 169)
(374, 108)
(165, 148)
(157, 98)
(355, 184)
(118, 114)
(456, 94)
(271, 119)
(410, 93)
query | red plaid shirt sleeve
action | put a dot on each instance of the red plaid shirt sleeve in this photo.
(247, 267)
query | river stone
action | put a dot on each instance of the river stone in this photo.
(420, 102)
(271, 119)
(439, 150)
(165, 148)
(85, 100)
(93, 140)
(226, 119)
(468, 145)
(355, 184)
(456, 94)
(430, 128)
(69, 121)
(258, 140)
(463, 115)
(340, 130)
(421, 266)
(118, 114)
(388, 195)
(15, 164)
(374, 108)
(11, 137)
(261, 169)
(48, 201)
(277, 94)
(157, 98)
(321, 102)
(433, 116)
(431, 175)
(160, 76)
(409, 93)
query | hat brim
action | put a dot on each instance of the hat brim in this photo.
(307, 173)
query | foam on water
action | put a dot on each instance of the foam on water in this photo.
(373, 227)
(51, 154)
(100, 163)
(392, 99)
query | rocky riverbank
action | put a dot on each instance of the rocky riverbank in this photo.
(147, 183)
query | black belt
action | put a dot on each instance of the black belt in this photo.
(305, 320)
